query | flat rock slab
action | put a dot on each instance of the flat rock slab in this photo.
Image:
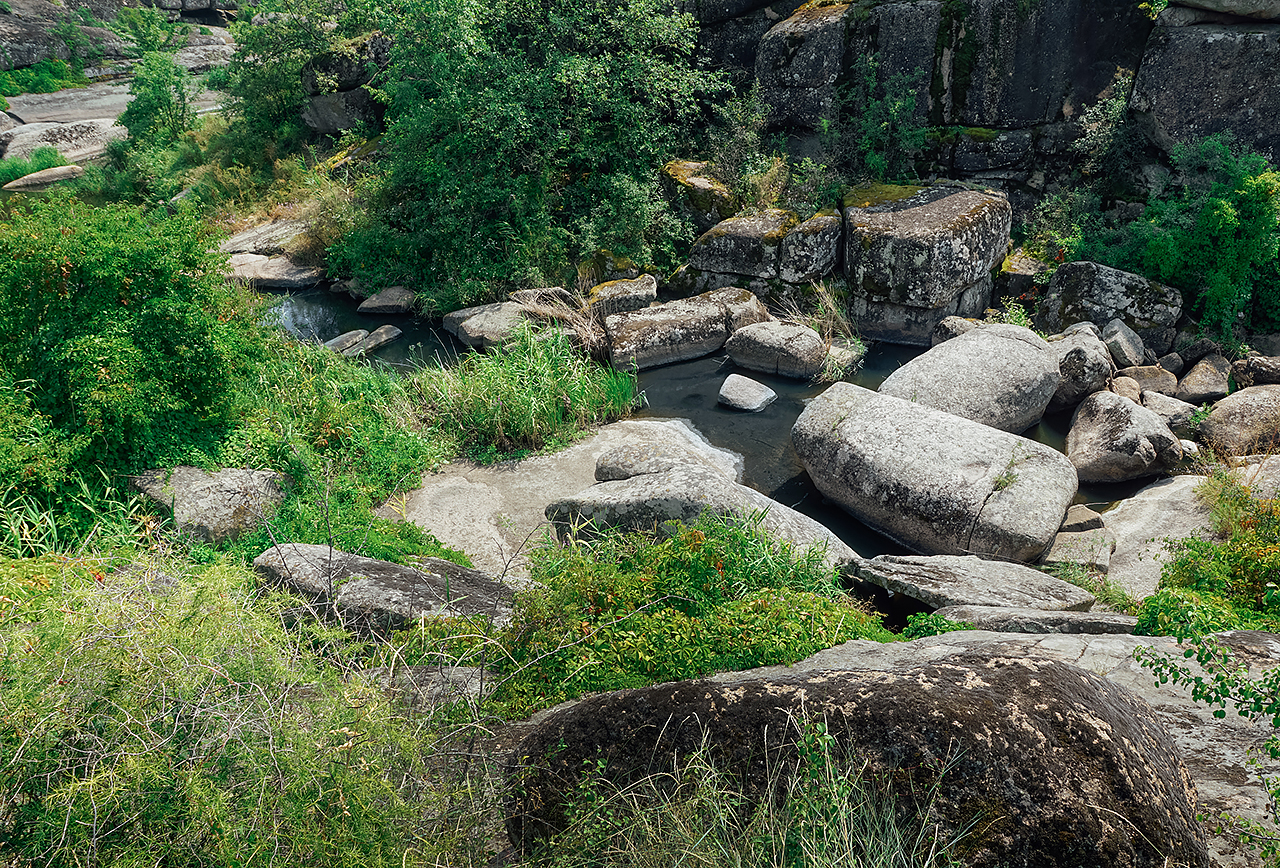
(496, 512)
(273, 272)
(1216, 752)
(38, 182)
(1090, 548)
(1000, 619)
(392, 300)
(688, 328)
(485, 325)
(935, 482)
(950, 580)
(346, 340)
(102, 100)
(214, 506)
(78, 141)
(1168, 509)
(376, 339)
(683, 493)
(267, 239)
(370, 596)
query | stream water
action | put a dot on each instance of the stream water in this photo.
(690, 390)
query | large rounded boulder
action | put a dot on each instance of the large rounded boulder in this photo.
(937, 483)
(1089, 292)
(1084, 365)
(1000, 375)
(1245, 422)
(1020, 761)
(1113, 439)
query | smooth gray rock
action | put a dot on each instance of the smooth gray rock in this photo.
(38, 182)
(679, 330)
(894, 323)
(369, 596)
(376, 339)
(782, 348)
(744, 393)
(199, 59)
(1176, 414)
(1173, 363)
(77, 141)
(1197, 349)
(1090, 548)
(1197, 81)
(1124, 344)
(1151, 378)
(1083, 291)
(214, 507)
(267, 239)
(1168, 509)
(273, 272)
(646, 457)
(621, 296)
(1084, 367)
(1128, 388)
(1113, 439)
(1256, 371)
(1006, 619)
(937, 483)
(952, 327)
(1244, 422)
(485, 325)
(682, 493)
(1080, 518)
(1069, 769)
(1206, 382)
(392, 300)
(346, 340)
(812, 249)
(1216, 751)
(921, 251)
(999, 375)
(954, 580)
(744, 245)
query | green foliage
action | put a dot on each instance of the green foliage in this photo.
(46, 76)
(825, 811)
(625, 610)
(145, 722)
(1228, 583)
(146, 29)
(162, 107)
(877, 132)
(533, 392)
(1224, 684)
(925, 624)
(1108, 593)
(525, 137)
(1011, 312)
(13, 168)
(116, 330)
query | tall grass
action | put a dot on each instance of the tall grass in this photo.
(826, 812)
(532, 392)
(13, 168)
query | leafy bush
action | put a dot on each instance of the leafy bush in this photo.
(532, 392)
(625, 610)
(877, 133)
(1229, 583)
(13, 168)
(925, 624)
(147, 29)
(525, 137)
(46, 76)
(116, 327)
(178, 724)
(162, 107)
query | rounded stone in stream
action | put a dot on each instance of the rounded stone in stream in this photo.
(1113, 439)
(937, 483)
(1017, 760)
(744, 393)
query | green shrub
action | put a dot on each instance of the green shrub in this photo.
(147, 29)
(181, 725)
(13, 168)
(533, 392)
(162, 107)
(925, 624)
(523, 138)
(876, 133)
(625, 610)
(46, 76)
(116, 327)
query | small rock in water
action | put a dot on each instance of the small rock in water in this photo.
(44, 179)
(744, 393)
(393, 299)
(347, 340)
(380, 337)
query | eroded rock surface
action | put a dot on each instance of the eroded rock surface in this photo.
(1113, 439)
(217, 506)
(1087, 291)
